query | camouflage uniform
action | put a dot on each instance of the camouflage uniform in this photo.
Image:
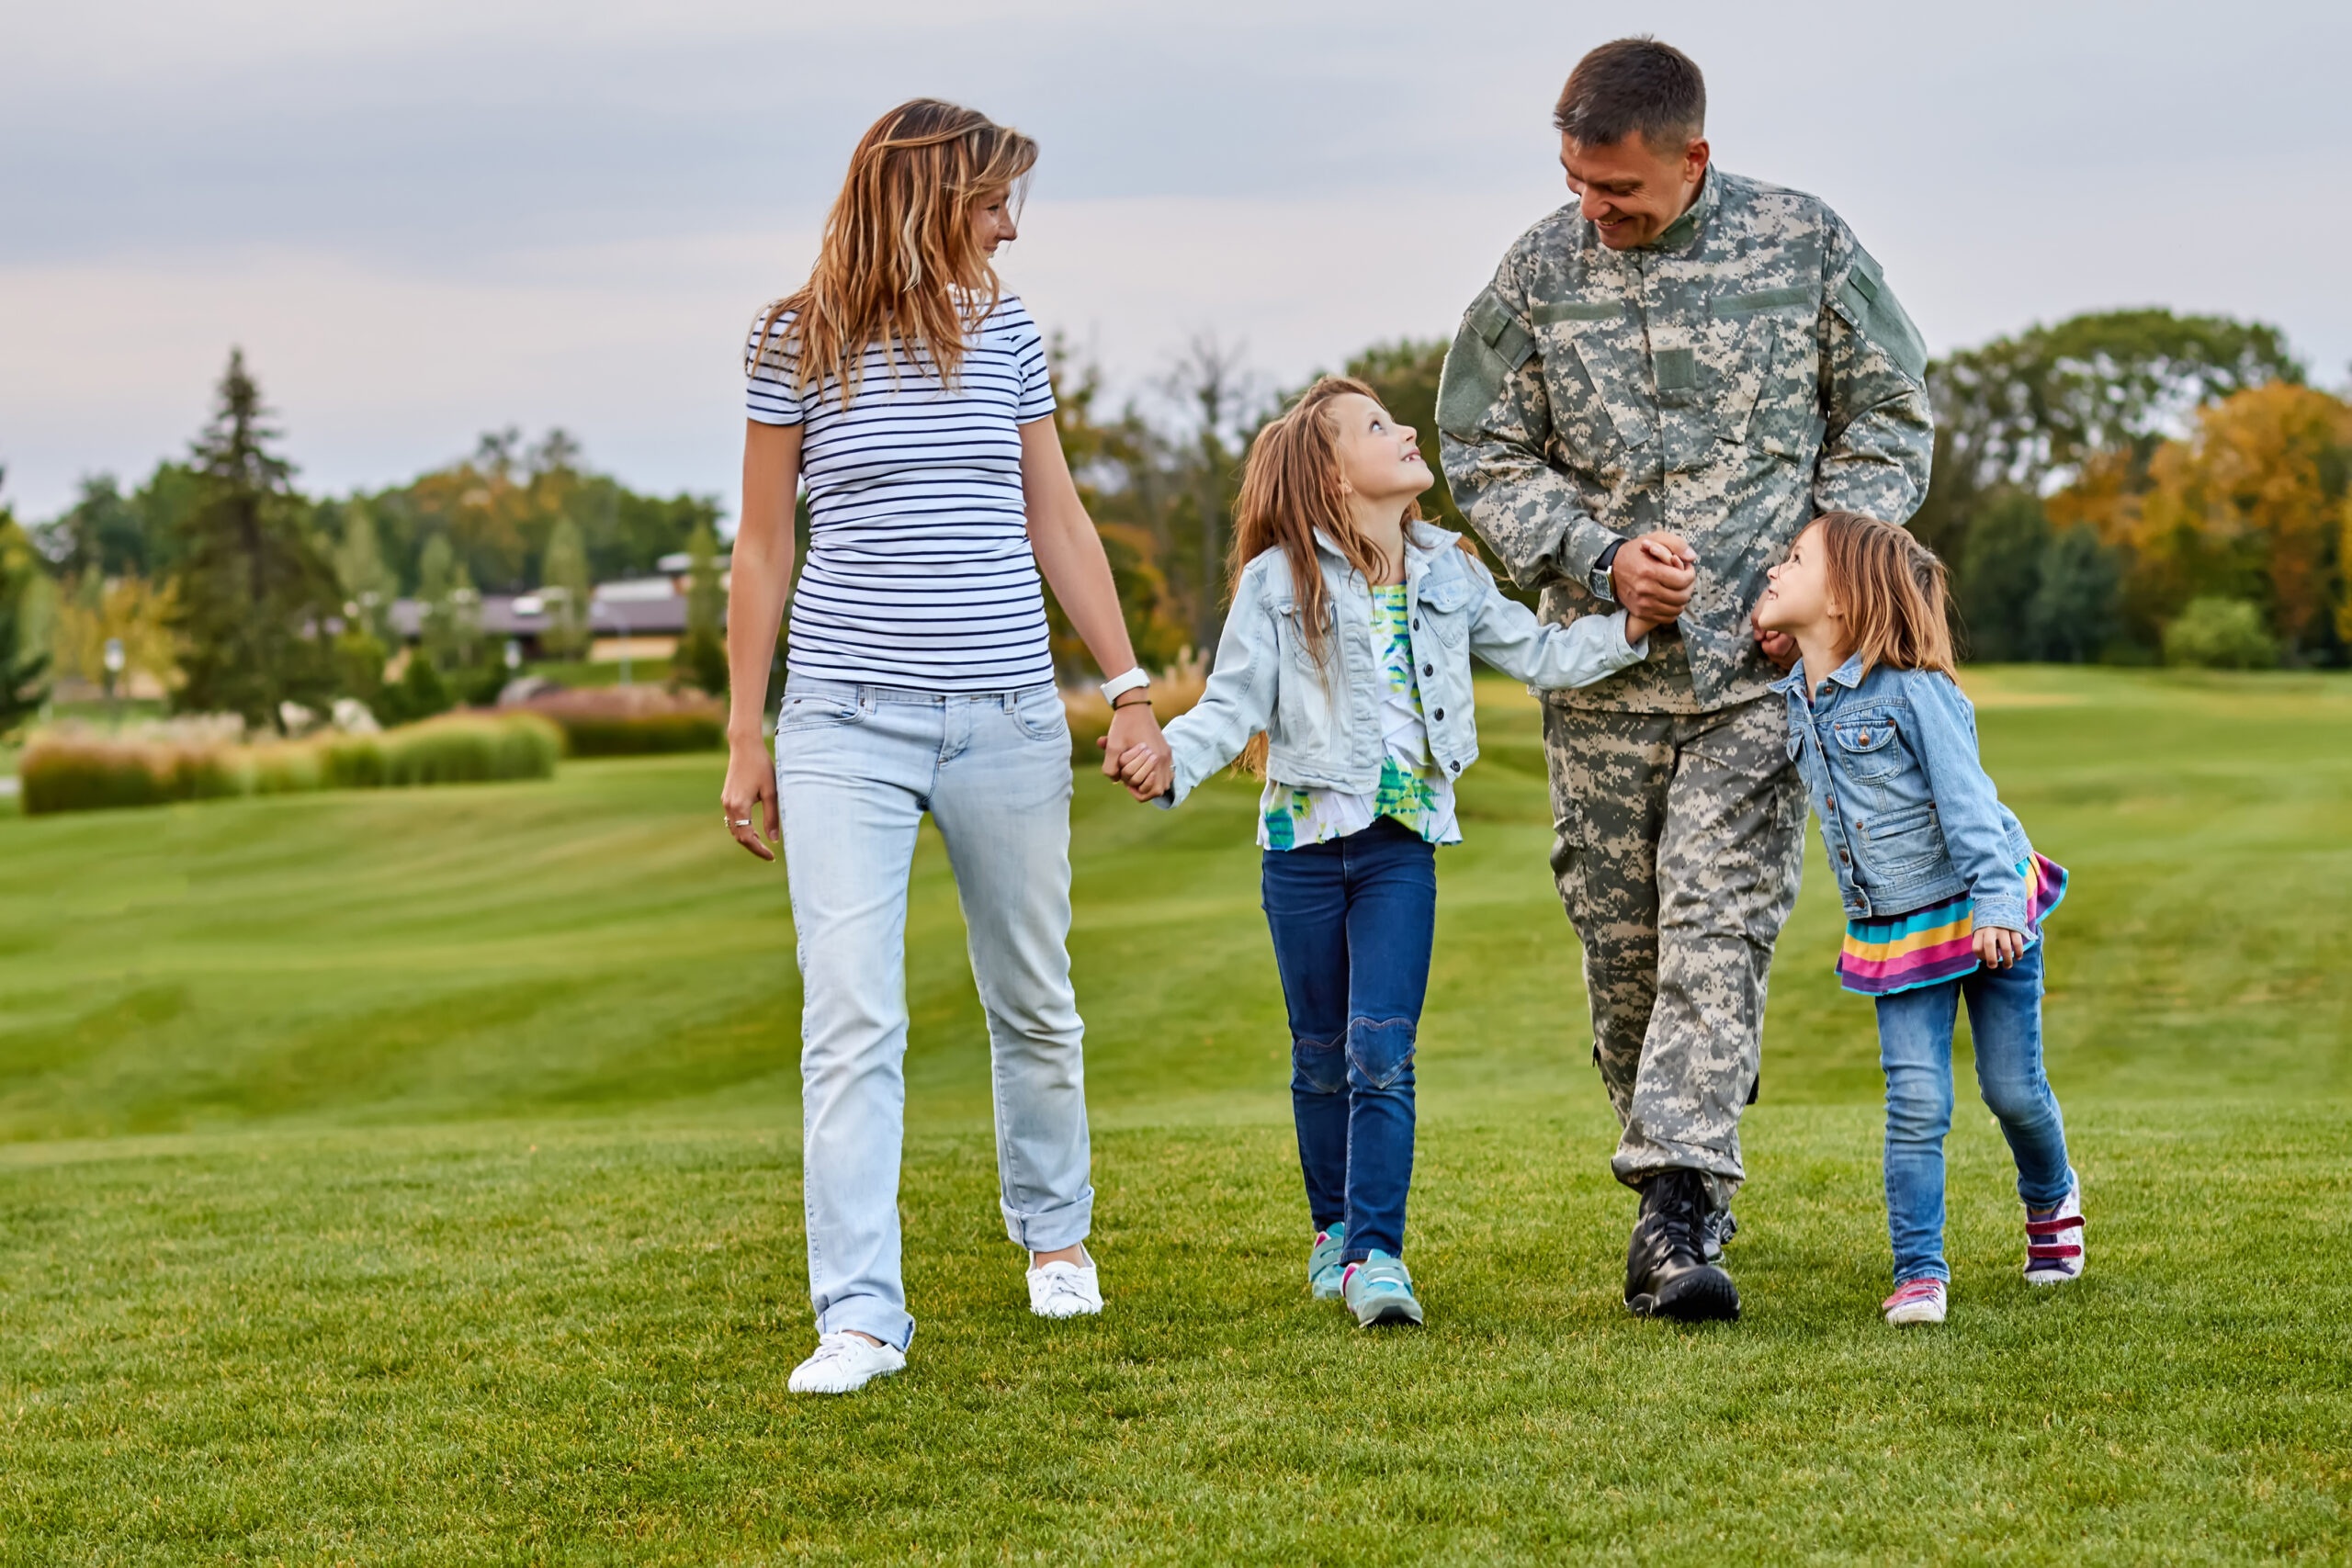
(1742, 372)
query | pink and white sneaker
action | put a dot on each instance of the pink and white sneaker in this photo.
(2053, 1241)
(1914, 1300)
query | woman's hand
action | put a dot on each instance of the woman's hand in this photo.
(1997, 947)
(748, 797)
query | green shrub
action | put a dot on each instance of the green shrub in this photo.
(2220, 633)
(606, 734)
(468, 749)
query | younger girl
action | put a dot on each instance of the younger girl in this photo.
(1944, 896)
(1346, 648)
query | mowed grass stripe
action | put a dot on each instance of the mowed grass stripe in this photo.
(413, 1177)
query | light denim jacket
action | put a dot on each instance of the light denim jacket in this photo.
(1322, 726)
(1907, 812)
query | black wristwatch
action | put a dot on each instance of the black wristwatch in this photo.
(1599, 581)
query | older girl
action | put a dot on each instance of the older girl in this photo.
(911, 394)
(1345, 670)
(1944, 896)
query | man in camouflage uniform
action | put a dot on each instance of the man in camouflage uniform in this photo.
(1666, 380)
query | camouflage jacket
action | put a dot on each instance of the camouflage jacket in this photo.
(1742, 372)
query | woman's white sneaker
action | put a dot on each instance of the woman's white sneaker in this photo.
(843, 1363)
(1065, 1290)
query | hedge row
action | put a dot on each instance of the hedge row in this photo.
(93, 775)
(601, 735)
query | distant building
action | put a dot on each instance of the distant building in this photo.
(647, 614)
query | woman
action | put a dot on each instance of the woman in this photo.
(912, 395)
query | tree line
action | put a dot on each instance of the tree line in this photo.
(239, 593)
(2123, 487)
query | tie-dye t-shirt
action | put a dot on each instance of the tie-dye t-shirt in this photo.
(1412, 789)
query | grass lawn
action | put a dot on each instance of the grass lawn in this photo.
(413, 1177)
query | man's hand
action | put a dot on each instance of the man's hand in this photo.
(1997, 947)
(1652, 576)
(1133, 727)
(1777, 647)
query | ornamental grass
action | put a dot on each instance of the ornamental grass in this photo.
(82, 773)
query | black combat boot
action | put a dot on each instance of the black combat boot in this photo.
(1667, 1274)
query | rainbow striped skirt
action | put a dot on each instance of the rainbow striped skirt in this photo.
(1930, 946)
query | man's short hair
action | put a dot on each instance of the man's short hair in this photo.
(1634, 84)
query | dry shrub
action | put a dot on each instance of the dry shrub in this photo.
(77, 773)
(633, 721)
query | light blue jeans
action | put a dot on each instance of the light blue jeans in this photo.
(856, 768)
(1915, 1031)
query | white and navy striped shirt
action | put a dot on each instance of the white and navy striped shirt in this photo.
(918, 572)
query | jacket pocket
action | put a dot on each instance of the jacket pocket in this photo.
(1901, 844)
(1869, 748)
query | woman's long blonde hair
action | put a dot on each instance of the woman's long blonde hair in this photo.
(1892, 590)
(899, 265)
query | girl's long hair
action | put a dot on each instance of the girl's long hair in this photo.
(1290, 488)
(1894, 591)
(899, 265)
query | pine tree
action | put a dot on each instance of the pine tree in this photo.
(702, 655)
(254, 592)
(22, 689)
(367, 585)
(565, 588)
(436, 579)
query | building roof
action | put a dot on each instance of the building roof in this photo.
(643, 606)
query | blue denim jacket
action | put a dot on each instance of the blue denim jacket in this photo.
(1907, 812)
(1323, 726)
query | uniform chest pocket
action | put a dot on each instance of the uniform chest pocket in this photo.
(1769, 366)
(1869, 748)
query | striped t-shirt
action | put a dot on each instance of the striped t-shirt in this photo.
(918, 572)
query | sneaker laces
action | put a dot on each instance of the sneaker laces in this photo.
(1059, 1280)
(838, 1345)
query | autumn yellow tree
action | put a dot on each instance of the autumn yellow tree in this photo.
(2252, 506)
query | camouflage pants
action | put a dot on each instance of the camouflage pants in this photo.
(1681, 841)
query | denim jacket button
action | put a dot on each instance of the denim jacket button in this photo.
(1440, 715)
(1428, 669)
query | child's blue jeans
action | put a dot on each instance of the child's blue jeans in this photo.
(1914, 1047)
(1352, 921)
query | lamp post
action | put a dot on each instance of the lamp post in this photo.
(621, 628)
(113, 660)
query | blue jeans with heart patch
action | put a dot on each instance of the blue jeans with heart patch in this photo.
(1352, 919)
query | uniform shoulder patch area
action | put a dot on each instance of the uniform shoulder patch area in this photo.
(1871, 308)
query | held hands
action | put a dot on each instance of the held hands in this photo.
(1653, 577)
(1136, 753)
(1997, 947)
(1777, 647)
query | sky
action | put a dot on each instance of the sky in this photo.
(425, 219)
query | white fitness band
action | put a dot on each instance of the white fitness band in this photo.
(1118, 686)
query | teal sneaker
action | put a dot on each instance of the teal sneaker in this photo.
(1323, 1268)
(1379, 1290)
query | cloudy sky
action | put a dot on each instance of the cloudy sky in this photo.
(423, 219)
